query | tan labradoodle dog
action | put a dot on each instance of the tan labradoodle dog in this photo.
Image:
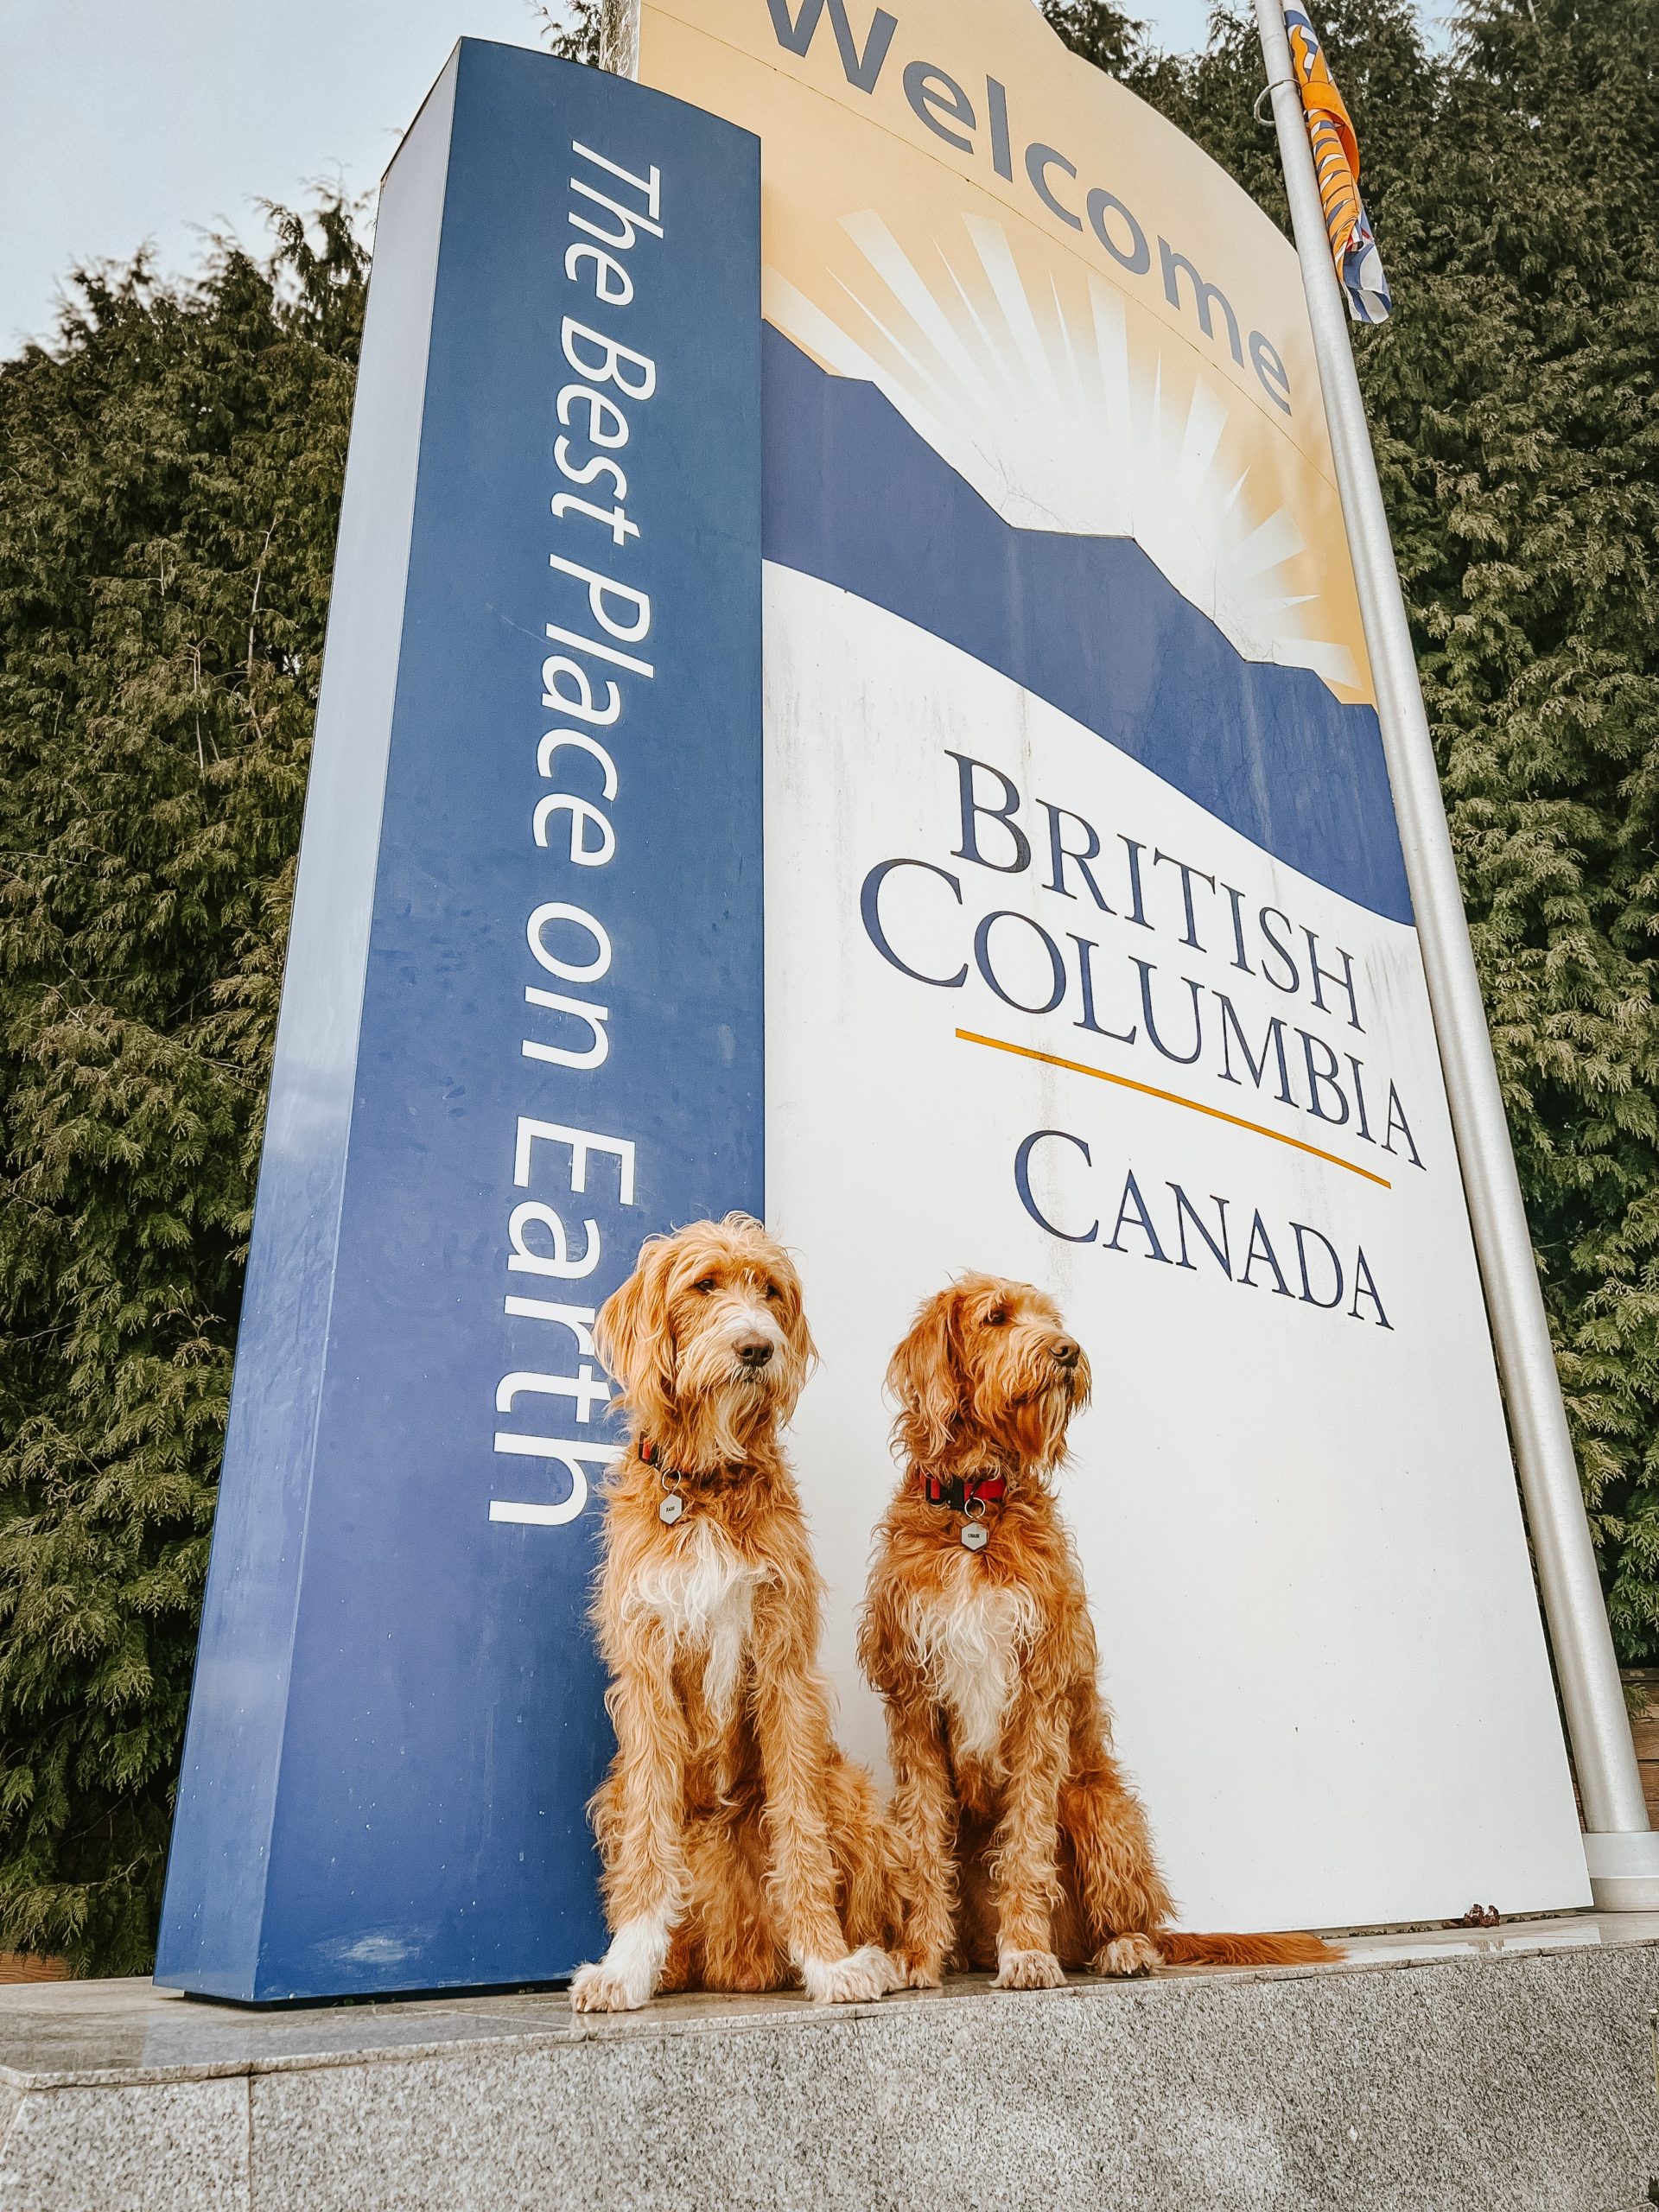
(740, 1850)
(1021, 1844)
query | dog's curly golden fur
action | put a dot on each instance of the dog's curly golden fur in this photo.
(1019, 1843)
(740, 1850)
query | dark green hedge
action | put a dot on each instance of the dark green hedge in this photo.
(171, 472)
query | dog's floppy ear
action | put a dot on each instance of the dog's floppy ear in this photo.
(804, 1351)
(925, 1376)
(633, 1335)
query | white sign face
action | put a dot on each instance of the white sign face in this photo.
(1089, 955)
(1293, 1494)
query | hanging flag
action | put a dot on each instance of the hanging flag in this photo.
(1336, 163)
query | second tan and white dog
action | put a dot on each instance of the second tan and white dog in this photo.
(1020, 1842)
(740, 1850)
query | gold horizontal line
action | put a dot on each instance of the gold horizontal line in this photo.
(1171, 1098)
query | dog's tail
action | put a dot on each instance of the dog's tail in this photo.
(1290, 1949)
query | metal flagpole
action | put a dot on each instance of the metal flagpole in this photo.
(1623, 1855)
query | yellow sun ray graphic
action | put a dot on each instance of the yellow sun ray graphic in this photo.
(1068, 407)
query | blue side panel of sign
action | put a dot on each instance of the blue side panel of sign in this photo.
(521, 1032)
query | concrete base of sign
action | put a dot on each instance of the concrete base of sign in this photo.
(1471, 2070)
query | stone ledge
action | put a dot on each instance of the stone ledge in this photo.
(1509, 2068)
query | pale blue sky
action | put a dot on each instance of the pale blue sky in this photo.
(157, 120)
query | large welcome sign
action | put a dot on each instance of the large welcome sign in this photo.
(1089, 953)
(1087, 957)
(520, 1030)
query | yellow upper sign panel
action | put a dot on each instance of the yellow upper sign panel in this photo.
(1068, 300)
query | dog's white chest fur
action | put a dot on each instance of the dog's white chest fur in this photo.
(970, 1635)
(703, 1595)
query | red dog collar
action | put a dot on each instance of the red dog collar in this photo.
(959, 1492)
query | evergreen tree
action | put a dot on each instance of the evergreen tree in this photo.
(1515, 403)
(571, 28)
(1099, 32)
(172, 468)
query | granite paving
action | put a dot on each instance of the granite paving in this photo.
(1428, 2072)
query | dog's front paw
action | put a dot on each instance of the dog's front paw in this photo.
(858, 1978)
(920, 1973)
(627, 1975)
(1028, 1970)
(1126, 1955)
(601, 1988)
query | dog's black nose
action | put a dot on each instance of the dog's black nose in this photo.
(1066, 1353)
(754, 1351)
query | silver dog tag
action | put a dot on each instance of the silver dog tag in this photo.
(974, 1535)
(670, 1509)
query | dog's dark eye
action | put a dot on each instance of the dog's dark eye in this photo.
(706, 1284)
(996, 1318)
(772, 1291)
